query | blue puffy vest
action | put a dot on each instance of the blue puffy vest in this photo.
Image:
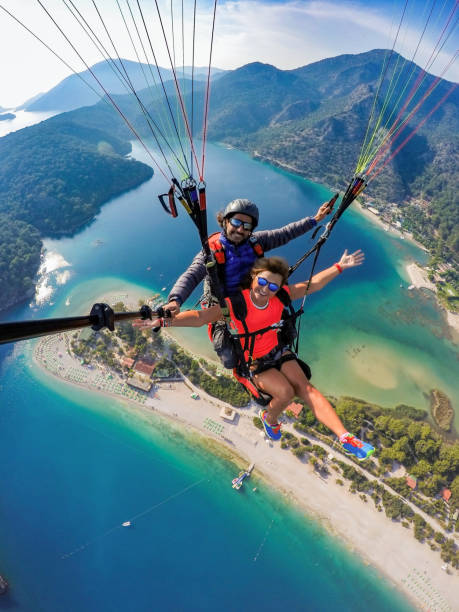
(238, 261)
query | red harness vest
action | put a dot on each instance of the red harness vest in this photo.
(257, 318)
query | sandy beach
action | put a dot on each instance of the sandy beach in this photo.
(419, 279)
(409, 565)
(417, 275)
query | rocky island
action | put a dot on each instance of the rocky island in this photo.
(442, 410)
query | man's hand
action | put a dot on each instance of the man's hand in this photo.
(144, 323)
(324, 210)
(350, 261)
(173, 307)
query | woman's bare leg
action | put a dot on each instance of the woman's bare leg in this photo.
(320, 406)
(275, 383)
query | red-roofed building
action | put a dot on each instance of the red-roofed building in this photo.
(295, 409)
(145, 367)
(446, 494)
(127, 362)
(412, 482)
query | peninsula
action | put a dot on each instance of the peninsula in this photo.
(40, 198)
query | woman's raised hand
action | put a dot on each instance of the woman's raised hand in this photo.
(354, 259)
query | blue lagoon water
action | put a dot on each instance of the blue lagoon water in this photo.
(76, 465)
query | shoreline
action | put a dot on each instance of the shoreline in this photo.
(295, 480)
(415, 272)
(452, 319)
(419, 280)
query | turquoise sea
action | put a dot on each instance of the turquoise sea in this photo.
(76, 465)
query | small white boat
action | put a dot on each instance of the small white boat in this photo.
(126, 524)
(163, 289)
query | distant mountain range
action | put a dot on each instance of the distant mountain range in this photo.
(73, 92)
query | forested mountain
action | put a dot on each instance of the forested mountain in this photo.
(73, 92)
(20, 248)
(54, 177)
(313, 119)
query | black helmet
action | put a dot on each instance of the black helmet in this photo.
(246, 207)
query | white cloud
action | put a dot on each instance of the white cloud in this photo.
(292, 34)
(286, 34)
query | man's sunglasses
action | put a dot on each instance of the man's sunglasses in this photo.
(263, 282)
(237, 223)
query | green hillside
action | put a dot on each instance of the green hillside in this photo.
(312, 120)
(54, 177)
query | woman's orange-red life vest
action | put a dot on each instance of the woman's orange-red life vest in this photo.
(256, 319)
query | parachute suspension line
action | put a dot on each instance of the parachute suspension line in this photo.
(165, 124)
(148, 118)
(192, 76)
(410, 136)
(177, 108)
(115, 105)
(383, 74)
(206, 109)
(394, 135)
(161, 130)
(177, 87)
(364, 162)
(354, 189)
(174, 56)
(73, 10)
(123, 78)
(301, 309)
(162, 84)
(365, 145)
(398, 125)
(183, 58)
(61, 59)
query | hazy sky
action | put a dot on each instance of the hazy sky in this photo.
(287, 34)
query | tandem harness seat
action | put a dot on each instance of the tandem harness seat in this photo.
(245, 369)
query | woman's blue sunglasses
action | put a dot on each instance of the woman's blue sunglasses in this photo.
(237, 223)
(271, 286)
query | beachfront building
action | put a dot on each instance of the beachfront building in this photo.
(227, 413)
(137, 383)
(145, 366)
(127, 362)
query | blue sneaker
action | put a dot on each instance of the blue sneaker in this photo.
(354, 446)
(272, 431)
